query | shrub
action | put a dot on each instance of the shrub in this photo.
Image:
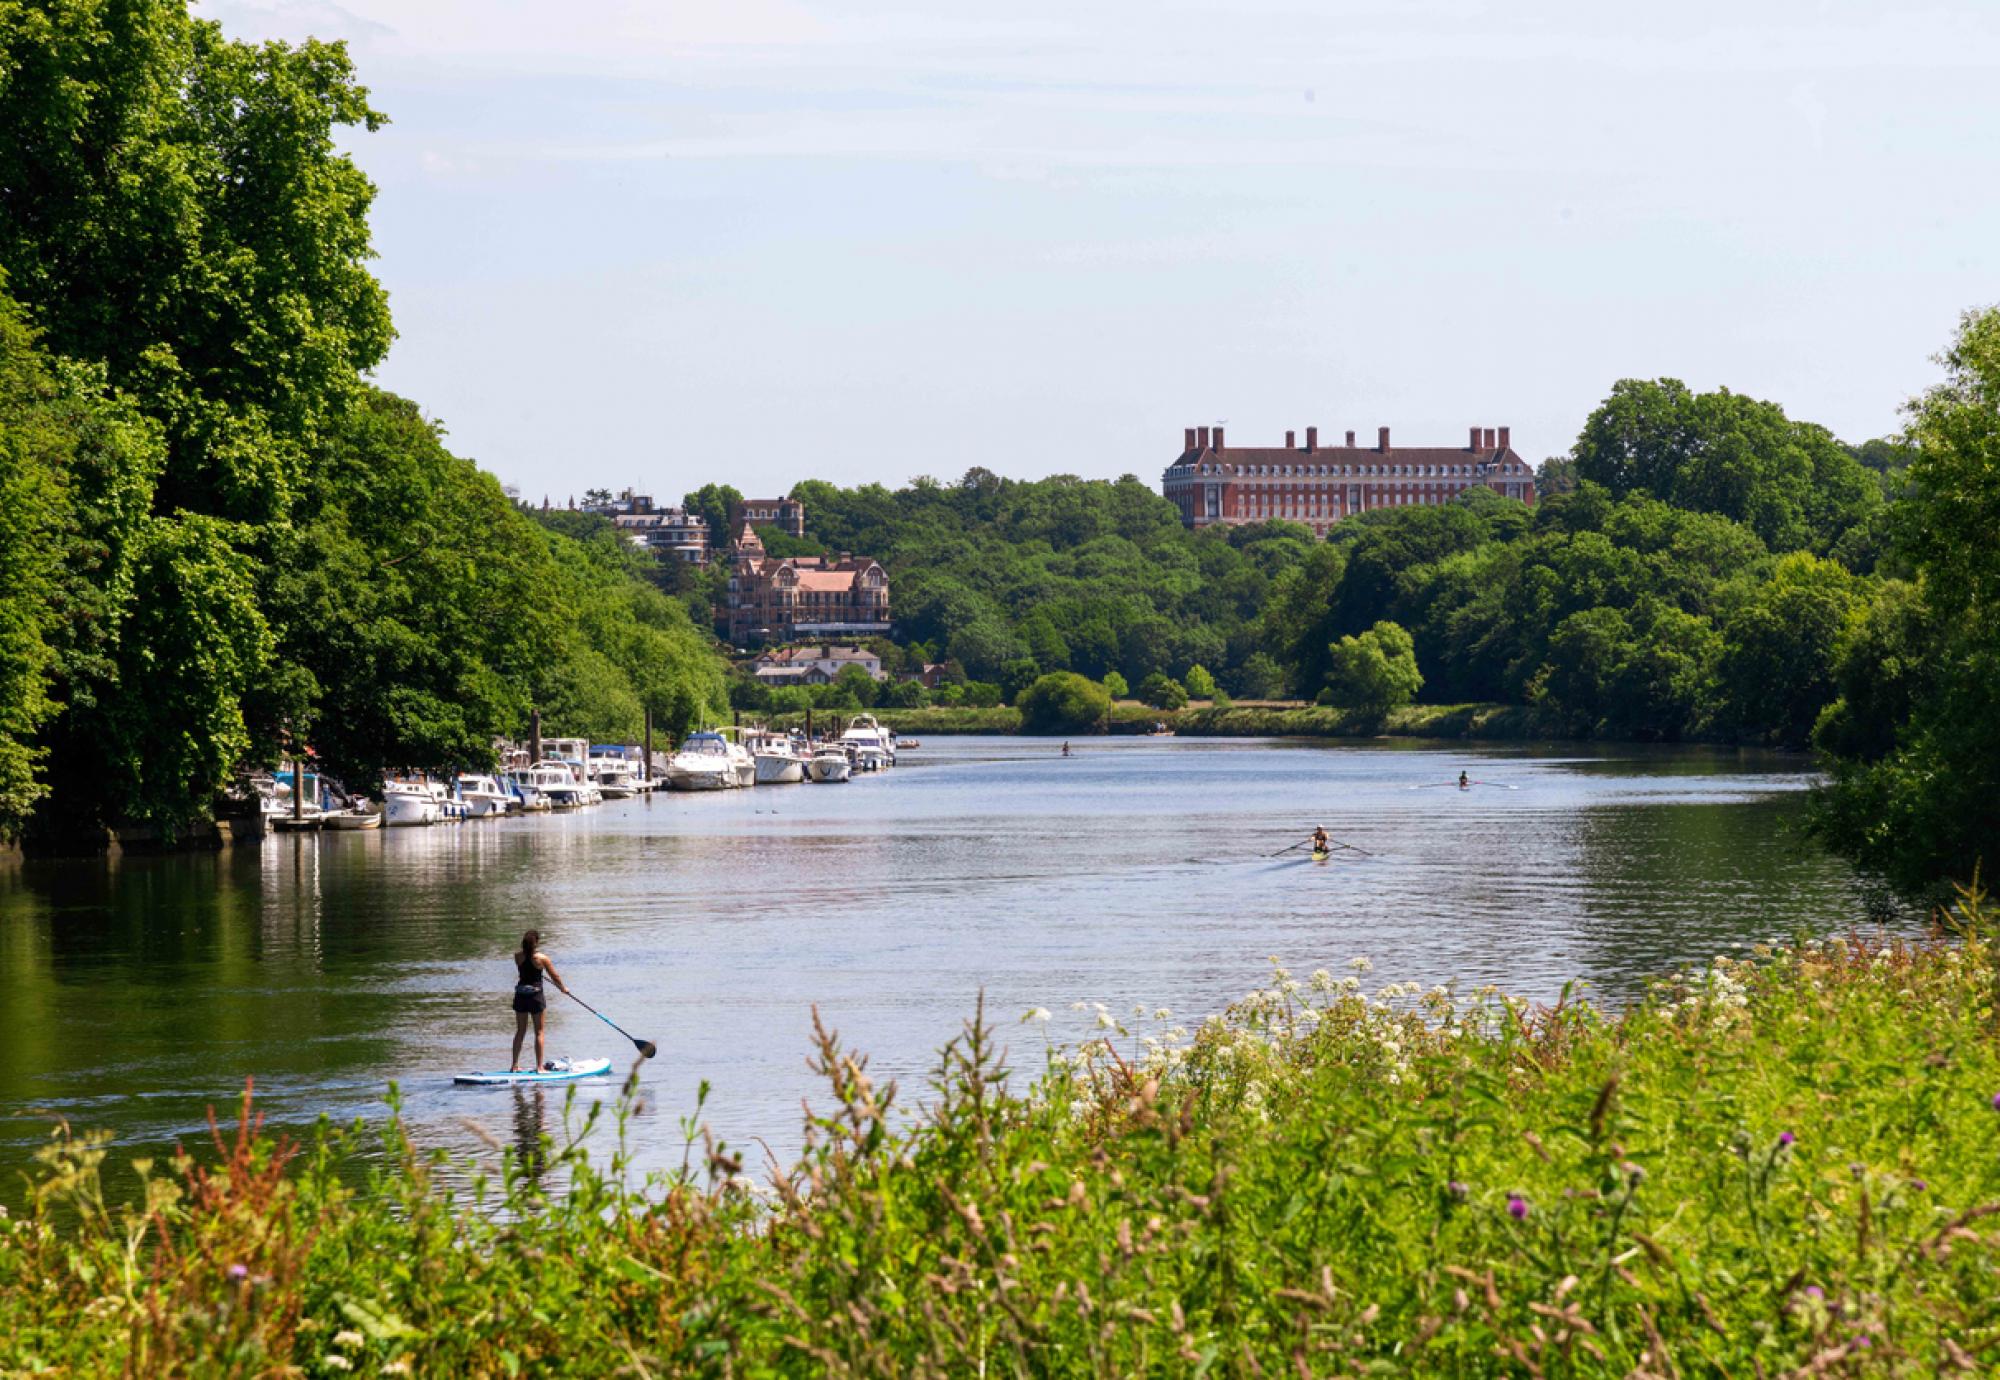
(1063, 702)
(1162, 691)
(1200, 684)
(1374, 672)
(981, 694)
(1115, 686)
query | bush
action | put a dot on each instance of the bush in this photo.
(1200, 684)
(981, 694)
(1063, 702)
(903, 694)
(1017, 676)
(1115, 686)
(1374, 672)
(1162, 692)
(1259, 677)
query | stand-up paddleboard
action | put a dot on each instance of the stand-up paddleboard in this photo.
(565, 1071)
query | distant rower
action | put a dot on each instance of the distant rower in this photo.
(1320, 844)
(1464, 782)
(1065, 749)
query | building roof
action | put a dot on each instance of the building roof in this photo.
(1489, 446)
(816, 651)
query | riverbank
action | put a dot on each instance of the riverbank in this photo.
(1778, 1164)
(1499, 722)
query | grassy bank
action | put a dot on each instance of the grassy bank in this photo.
(1780, 1166)
(1411, 721)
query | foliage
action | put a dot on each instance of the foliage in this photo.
(713, 502)
(1324, 1179)
(251, 546)
(1063, 702)
(1915, 734)
(1200, 684)
(1115, 686)
(1374, 672)
(1068, 574)
(1162, 692)
(1790, 482)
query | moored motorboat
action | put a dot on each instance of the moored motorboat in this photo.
(360, 815)
(409, 803)
(781, 758)
(830, 763)
(482, 796)
(871, 745)
(703, 764)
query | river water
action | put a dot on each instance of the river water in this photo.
(139, 992)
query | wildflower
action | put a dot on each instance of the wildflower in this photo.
(335, 1361)
(1457, 1190)
(348, 1337)
(1322, 980)
(1104, 1021)
(1360, 965)
(1815, 1292)
(1040, 1013)
(1517, 1207)
(239, 1272)
(1996, 1102)
(1161, 1013)
(1918, 1185)
(399, 1366)
(1785, 1140)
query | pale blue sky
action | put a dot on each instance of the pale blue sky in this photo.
(762, 240)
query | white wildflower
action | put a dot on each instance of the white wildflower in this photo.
(1040, 1013)
(1361, 965)
(1322, 980)
(1161, 1013)
(348, 1337)
(336, 1361)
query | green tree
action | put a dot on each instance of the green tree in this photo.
(713, 502)
(175, 205)
(1260, 677)
(1915, 738)
(1115, 686)
(1374, 671)
(1064, 702)
(1161, 691)
(1200, 684)
(1780, 645)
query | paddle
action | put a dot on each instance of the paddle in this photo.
(1496, 785)
(1294, 848)
(645, 1047)
(1351, 848)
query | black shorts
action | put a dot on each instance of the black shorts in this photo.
(528, 1000)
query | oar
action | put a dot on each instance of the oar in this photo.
(645, 1047)
(1496, 785)
(1351, 848)
(1294, 848)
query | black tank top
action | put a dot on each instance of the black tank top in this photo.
(529, 971)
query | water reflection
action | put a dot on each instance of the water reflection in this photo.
(144, 989)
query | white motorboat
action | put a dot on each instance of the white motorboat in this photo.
(563, 786)
(873, 746)
(532, 785)
(360, 815)
(482, 796)
(616, 777)
(573, 754)
(408, 803)
(781, 759)
(830, 764)
(704, 763)
(275, 797)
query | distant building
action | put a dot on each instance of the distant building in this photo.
(789, 665)
(788, 515)
(669, 531)
(803, 596)
(626, 502)
(1213, 484)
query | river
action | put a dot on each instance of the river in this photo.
(141, 991)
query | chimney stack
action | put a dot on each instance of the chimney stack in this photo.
(1312, 438)
(1473, 444)
(1203, 433)
(1350, 440)
(1289, 443)
(1188, 444)
(1489, 438)
(1382, 439)
(1218, 438)
(1504, 442)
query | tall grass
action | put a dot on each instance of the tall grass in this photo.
(1786, 1165)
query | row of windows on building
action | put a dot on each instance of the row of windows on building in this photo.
(1384, 471)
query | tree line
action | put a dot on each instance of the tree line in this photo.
(218, 540)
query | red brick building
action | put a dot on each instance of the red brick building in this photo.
(786, 514)
(803, 596)
(1213, 483)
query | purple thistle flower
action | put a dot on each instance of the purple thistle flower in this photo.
(1457, 1190)
(1996, 1102)
(239, 1271)
(1517, 1207)
(1785, 1139)
(1814, 1291)
(1918, 1185)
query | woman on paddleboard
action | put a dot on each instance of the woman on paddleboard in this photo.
(529, 1000)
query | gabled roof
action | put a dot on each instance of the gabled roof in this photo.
(1233, 459)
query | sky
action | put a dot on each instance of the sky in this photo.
(758, 241)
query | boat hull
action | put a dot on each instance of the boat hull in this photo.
(403, 811)
(776, 770)
(829, 769)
